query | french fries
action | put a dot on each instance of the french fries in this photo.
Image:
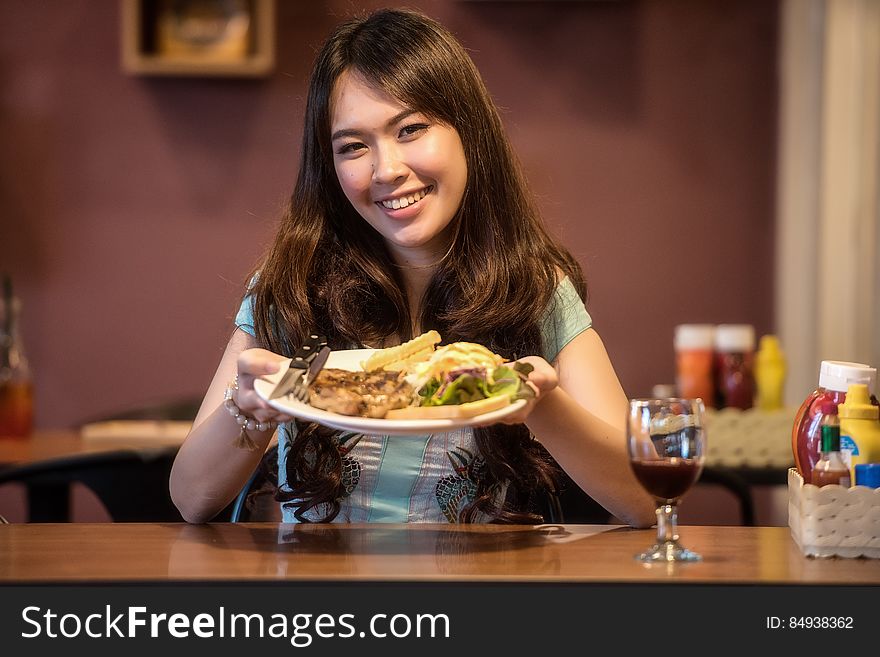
(400, 357)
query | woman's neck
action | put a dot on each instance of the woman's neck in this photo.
(416, 269)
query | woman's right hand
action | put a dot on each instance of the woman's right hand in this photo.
(253, 364)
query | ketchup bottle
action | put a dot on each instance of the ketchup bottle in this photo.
(834, 379)
(734, 365)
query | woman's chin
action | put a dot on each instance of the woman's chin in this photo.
(416, 236)
(410, 240)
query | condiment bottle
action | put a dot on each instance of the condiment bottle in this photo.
(859, 427)
(830, 468)
(693, 344)
(664, 391)
(867, 474)
(834, 378)
(769, 374)
(734, 363)
(16, 392)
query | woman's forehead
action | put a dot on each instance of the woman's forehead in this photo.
(356, 99)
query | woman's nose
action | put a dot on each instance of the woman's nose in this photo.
(388, 166)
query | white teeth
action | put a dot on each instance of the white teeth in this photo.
(404, 201)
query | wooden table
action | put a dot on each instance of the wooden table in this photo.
(59, 443)
(269, 552)
(534, 588)
(49, 498)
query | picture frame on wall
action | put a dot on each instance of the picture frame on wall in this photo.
(198, 37)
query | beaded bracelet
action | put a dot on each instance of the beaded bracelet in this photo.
(247, 423)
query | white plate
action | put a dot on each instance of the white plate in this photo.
(351, 360)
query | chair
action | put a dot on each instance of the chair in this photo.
(246, 506)
(733, 483)
(131, 484)
(573, 506)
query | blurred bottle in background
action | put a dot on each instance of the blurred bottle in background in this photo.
(734, 366)
(769, 374)
(16, 389)
(834, 378)
(694, 345)
(664, 391)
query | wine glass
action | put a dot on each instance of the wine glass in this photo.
(666, 441)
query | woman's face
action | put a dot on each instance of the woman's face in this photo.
(404, 173)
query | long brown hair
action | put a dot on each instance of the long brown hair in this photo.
(328, 270)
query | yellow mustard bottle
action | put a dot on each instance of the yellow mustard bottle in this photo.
(769, 374)
(859, 428)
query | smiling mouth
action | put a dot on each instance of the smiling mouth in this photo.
(406, 201)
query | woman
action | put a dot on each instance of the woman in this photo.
(410, 213)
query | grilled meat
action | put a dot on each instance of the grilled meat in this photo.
(368, 394)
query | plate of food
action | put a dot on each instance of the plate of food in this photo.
(414, 388)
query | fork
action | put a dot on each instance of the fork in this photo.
(308, 360)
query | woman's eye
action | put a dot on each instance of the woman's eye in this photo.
(415, 128)
(350, 147)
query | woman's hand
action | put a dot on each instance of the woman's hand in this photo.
(253, 364)
(542, 379)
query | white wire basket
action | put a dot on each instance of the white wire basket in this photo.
(833, 521)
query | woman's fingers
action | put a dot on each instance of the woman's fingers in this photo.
(253, 364)
(520, 416)
(542, 379)
(258, 362)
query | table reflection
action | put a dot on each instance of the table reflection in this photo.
(374, 551)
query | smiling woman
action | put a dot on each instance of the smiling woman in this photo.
(410, 214)
(403, 172)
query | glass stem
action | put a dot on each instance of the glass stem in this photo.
(667, 523)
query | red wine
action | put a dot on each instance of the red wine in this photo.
(667, 479)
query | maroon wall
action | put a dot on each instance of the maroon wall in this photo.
(131, 208)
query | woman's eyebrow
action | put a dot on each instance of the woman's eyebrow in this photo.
(346, 132)
(400, 116)
(352, 132)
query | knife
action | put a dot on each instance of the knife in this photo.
(308, 360)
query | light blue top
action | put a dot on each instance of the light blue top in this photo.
(419, 478)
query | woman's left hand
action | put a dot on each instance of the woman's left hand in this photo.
(542, 379)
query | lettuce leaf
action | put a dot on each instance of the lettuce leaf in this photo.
(509, 380)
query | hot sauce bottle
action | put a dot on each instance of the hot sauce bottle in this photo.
(830, 468)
